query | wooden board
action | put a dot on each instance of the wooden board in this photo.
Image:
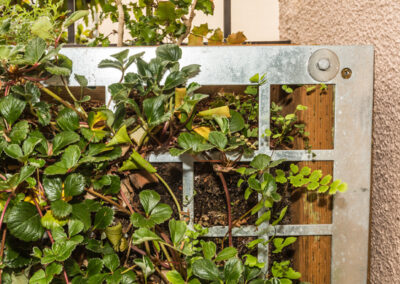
(312, 253)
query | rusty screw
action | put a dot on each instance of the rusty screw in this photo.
(346, 73)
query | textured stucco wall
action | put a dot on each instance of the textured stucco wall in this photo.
(377, 22)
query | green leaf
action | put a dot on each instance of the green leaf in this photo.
(121, 137)
(266, 216)
(177, 230)
(46, 277)
(260, 162)
(166, 12)
(236, 123)
(169, 52)
(142, 235)
(60, 208)
(209, 249)
(174, 277)
(294, 168)
(111, 261)
(58, 70)
(23, 222)
(149, 199)
(305, 171)
(218, 139)
(75, 16)
(50, 222)
(53, 188)
(139, 221)
(281, 243)
(14, 151)
(161, 213)
(42, 28)
(281, 215)
(81, 212)
(64, 139)
(206, 269)
(74, 185)
(226, 253)
(11, 108)
(233, 270)
(35, 50)
(74, 227)
(60, 250)
(107, 63)
(155, 111)
(326, 180)
(94, 267)
(255, 78)
(82, 81)
(19, 132)
(137, 162)
(68, 120)
(175, 79)
(69, 160)
(251, 90)
(103, 218)
(121, 56)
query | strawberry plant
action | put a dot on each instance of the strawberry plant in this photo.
(69, 211)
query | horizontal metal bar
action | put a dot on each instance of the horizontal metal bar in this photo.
(281, 230)
(289, 155)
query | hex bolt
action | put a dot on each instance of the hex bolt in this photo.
(323, 64)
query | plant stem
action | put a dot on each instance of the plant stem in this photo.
(125, 199)
(167, 256)
(188, 22)
(99, 195)
(170, 192)
(56, 97)
(4, 210)
(3, 241)
(121, 22)
(228, 203)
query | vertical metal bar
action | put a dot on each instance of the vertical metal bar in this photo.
(71, 28)
(187, 187)
(227, 18)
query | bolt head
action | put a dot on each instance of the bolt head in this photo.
(323, 64)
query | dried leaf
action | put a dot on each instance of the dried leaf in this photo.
(236, 38)
(217, 38)
(140, 179)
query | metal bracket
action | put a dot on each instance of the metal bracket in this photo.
(323, 65)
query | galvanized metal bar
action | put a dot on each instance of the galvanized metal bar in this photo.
(234, 65)
(187, 188)
(280, 230)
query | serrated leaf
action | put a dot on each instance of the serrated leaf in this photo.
(142, 235)
(11, 108)
(58, 70)
(68, 120)
(226, 253)
(23, 222)
(50, 222)
(64, 139)
(266, 216)
(42, 28)
(74, 185)
(94, 267)
(169, 52)
(103, 218)
(281, 215)
(52, 187)
(177, 230)
(111, 261)
(75, 16)
(233, 270)
(218, 139)
(60, 208)
(19, 132)
(82, 81)
(206, 269)
(69, 160)
(74, 227)
(149, 199)
(174, 277)
(46, 277)
(209, 249)
(260, 162)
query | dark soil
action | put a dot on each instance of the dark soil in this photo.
(209, 202)
(172, 174)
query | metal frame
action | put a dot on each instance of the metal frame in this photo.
(352, 134)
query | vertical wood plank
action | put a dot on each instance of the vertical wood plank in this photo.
(312, 253)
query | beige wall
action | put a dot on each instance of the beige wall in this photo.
(259, 19)
(377, 22)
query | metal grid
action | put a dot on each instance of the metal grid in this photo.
(351, 155)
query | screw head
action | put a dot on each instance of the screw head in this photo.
(323, 64)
